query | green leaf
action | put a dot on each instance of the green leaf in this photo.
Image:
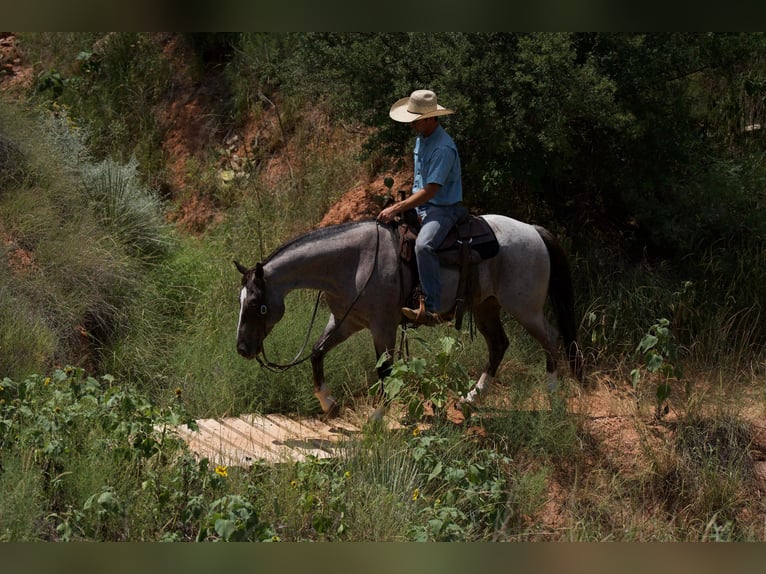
(455, 475)
(435, 525)
(648, 342)
(392, 387)
(448, 345)
(417, 366)
(106, 498)
(435, 472)
(225, 528)
(654, 363)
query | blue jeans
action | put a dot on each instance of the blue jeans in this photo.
(437, 222)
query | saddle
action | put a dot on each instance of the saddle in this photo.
(469, 242)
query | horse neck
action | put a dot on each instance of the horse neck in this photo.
(321, 260)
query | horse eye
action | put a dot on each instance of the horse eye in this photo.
(264, 309)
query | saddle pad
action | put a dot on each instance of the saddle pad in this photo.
(477, 233)
(473, 230)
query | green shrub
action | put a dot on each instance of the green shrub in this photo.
(125, 208)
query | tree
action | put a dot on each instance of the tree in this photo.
(599, 130)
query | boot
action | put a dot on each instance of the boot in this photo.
(421, 316)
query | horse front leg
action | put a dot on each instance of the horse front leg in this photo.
(321, 390)
(331, 337)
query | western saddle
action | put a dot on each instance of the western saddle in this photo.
(469, 242)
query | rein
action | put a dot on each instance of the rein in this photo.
(277, 368)
(297, 360)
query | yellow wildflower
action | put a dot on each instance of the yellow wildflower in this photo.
(347, 474)
(222, 471)
(416, 431)
(47, 381)
(415, 494)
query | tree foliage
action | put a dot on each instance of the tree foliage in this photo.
(650, 142)
(614, 131)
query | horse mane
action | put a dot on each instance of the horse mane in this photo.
(319, 234)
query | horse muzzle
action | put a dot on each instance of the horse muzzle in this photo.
(247, 351)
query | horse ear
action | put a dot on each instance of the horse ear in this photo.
(241, 268)
(258, 271)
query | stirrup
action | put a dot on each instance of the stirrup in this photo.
(421, 316)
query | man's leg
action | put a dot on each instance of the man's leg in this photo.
(436, 225)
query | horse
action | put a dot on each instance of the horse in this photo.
(358, 267)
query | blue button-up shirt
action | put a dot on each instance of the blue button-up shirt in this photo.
(437, 161)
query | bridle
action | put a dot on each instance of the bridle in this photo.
(297, 360)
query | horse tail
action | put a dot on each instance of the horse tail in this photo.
(561, 293)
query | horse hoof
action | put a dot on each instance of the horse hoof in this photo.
(333, 411)
(465, 408)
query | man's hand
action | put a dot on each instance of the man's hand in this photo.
(387, 215)
(416, 199)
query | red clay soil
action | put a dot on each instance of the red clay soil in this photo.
(15, 74)
(362, 202)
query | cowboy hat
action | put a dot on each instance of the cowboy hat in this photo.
(421, 104)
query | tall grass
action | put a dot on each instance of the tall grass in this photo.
(76, 239)
(125, 207)
(100, 462)
(26, 341)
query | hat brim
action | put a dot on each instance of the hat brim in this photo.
(399, 113)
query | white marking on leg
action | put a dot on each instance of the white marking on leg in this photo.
(242, 297)
(325, 398)
(479, 389)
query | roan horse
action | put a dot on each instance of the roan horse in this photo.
(358, 267)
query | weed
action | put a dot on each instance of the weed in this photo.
(660, 354)
(411, 383)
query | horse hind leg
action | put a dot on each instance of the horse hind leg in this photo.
(487, 320)
(547, 335)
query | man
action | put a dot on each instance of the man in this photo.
(437, 193)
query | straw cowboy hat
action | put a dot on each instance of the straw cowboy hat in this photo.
(421, 104)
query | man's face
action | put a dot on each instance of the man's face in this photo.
(424, 127)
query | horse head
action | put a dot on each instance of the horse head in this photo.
(258, 312)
